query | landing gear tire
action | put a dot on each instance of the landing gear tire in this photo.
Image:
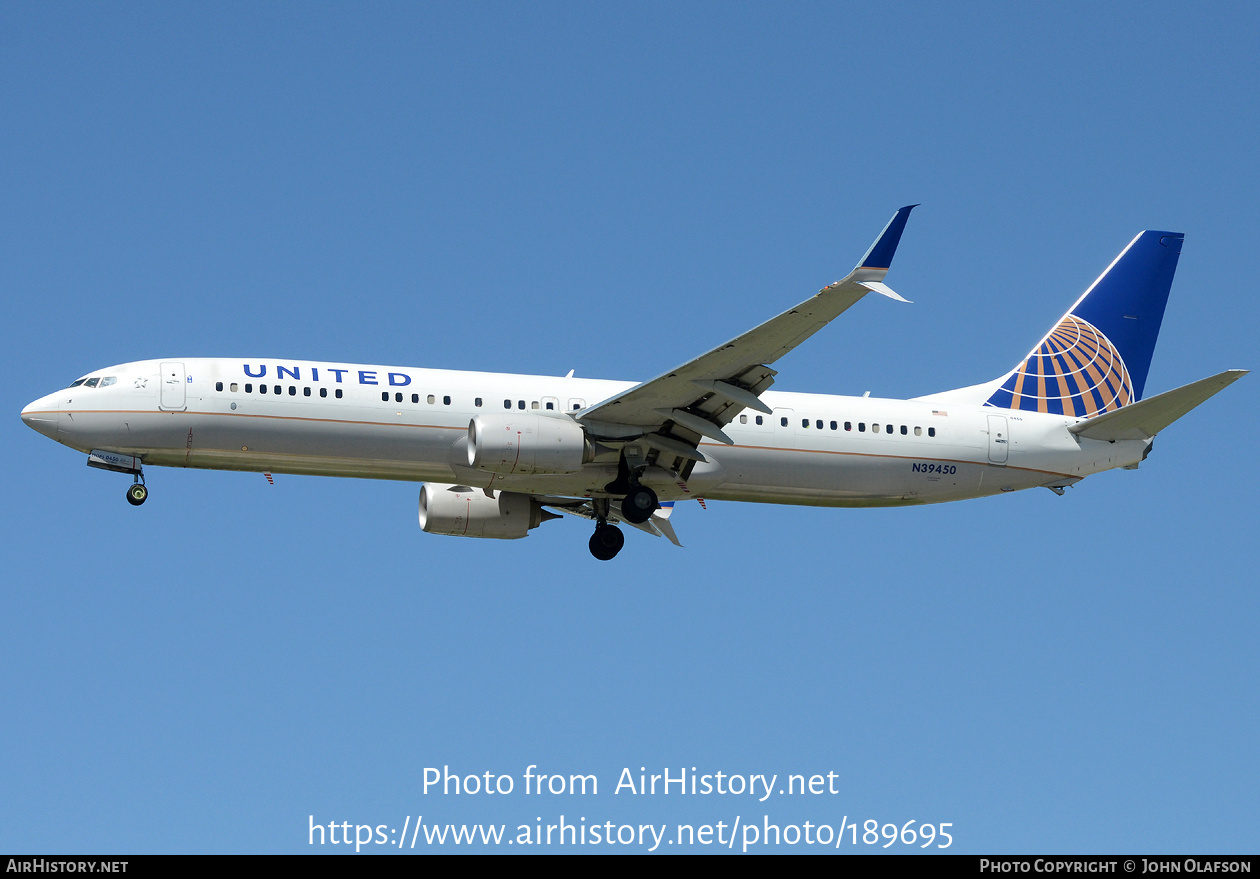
(639, 505)
(137, 494)
(606, 542)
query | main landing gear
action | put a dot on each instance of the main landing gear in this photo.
(637, 507)
(607, 541)
(639, 504)
(639, 501)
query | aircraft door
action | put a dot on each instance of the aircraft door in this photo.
(173, 382)
(784, 433)
(999, 444)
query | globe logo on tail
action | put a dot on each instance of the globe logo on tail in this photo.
(1076, 371)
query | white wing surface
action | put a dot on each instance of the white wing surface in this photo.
(673, 411)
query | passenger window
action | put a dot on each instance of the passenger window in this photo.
(804, 422)
(384, 396)
(888, 428)
(861, 427)
(323, 392)
(551, 405)
(398, 397)
(874, 428)
(520, 404)
(759, 419)
(477, 402)
(249, 388)
(918, 431)
(507, 404)
(783, 421)
(262, 389)
(931, 431)
(432, 399)
(338, 393)
(818, 424)
(834, 426)
(903, 430)
(218, 386)
(279, 390)
(848, 425)
(446, 401)
(292, 390)
(233, 387)
(415, 398)
(306, 392)
(533, 405)
(743, 419)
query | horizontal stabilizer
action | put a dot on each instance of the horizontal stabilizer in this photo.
(660, 521)
(1144, 419)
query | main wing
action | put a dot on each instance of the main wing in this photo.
(697, 399)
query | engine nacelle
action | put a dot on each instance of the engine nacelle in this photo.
(460, 511)
(525, 444)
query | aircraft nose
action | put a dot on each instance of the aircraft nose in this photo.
(42, 416)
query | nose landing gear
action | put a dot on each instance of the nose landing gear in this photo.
(104, 460)
(136, 492)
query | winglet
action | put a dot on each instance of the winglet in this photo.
(881, 253)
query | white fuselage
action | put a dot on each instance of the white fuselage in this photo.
(387, 422)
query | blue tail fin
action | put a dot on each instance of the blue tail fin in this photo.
(1096, 358)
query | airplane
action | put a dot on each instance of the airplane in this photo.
(499, 454)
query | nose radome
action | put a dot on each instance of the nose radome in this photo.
(42, 416)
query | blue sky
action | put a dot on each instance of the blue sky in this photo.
(613, 190)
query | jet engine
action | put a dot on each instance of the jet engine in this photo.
(460, 511)
(526, 444)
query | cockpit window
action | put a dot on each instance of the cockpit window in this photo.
(92, 382)
(109, 380)
(77, 383)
